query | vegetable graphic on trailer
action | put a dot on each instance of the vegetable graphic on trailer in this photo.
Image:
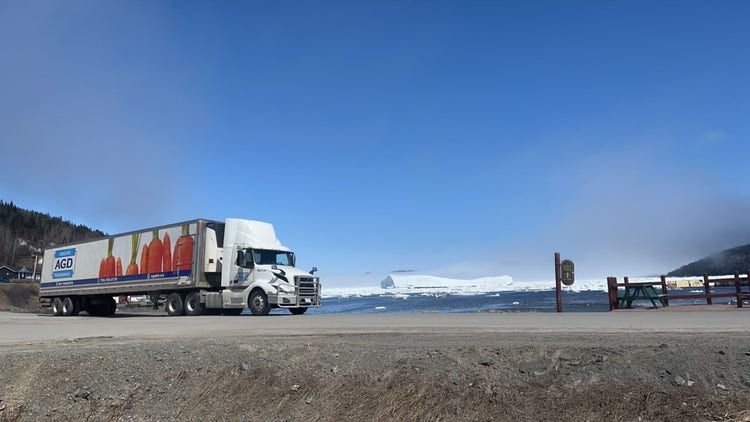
(183, 251)
(132, 268)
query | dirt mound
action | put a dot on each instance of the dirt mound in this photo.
(19, 297)
(381, 377)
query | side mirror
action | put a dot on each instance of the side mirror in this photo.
(240, 259)
(314, 270)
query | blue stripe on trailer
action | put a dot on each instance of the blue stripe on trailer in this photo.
(113, 280)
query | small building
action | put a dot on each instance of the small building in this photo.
(7, 273)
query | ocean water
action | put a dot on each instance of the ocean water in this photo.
(504, 301)
(507, 301)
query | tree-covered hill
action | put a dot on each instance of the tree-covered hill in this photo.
(722, 263)
(24, 233)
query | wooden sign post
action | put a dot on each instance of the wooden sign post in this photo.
(558, 282)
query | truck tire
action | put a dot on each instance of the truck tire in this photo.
(93, 309)
(69, 306)
(174, 305)
(109, 307)
(77, 305)
(193, 305)
(105, 307)
(258, 303)
(57, 306)
(297, 311)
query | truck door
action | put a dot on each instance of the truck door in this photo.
(243, 267)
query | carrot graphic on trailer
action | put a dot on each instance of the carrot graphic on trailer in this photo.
(155, 254)
(107, 266)
(133, 267)
(144, 260)
(167, 261)
(183, 250)
(118, 267)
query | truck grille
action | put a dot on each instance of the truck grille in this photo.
(308, 287)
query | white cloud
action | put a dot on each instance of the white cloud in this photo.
(712, 137)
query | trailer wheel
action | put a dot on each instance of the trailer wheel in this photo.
(57, 306)
(109, 307)
(297, 311)
(193, 305)
(174, 304)
(258, 303)
(69, 306)
(94, 309)
(77, 305)
(104, 308)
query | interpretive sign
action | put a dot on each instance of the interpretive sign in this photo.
(568, 272)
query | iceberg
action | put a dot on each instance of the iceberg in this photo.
(428, 285)
(429, 282)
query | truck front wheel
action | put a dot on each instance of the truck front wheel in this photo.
(258, 303)
(174, 304)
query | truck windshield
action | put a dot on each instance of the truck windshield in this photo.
(269, 257)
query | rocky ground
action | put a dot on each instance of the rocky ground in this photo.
(19, 297)
(381, 377)
(377, 376)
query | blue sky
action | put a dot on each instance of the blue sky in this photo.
(464, 138)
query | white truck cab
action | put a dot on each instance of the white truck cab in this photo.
(262, 271)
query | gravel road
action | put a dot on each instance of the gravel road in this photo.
(23, 327)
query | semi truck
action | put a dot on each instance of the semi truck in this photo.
(193, 267)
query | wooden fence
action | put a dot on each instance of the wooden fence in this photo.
(616, 300)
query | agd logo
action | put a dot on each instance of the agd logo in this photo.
(65, 263)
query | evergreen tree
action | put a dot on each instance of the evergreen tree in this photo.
(23, 232)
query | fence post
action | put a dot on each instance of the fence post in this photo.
(612, 283)
(665, 299)
(707, 289)
(737, 288)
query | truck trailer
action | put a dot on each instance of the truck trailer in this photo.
(194, 267)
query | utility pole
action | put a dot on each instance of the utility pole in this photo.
(36, 261)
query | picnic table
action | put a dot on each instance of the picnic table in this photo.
(640, 291)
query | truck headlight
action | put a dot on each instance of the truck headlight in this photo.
(286, 288)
